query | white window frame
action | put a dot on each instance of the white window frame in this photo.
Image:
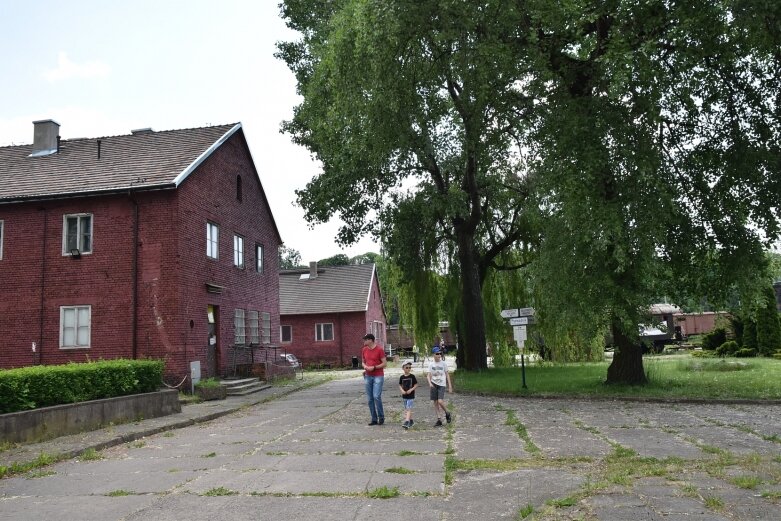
(76, 327)
(259, 258)
(66, 250)
(282, 334)
(252, 324)
(265, 328)
(238, 251)
(320, 332)
(239, 327)
(212, 240)
(2, 231)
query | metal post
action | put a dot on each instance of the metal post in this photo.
(523, 371)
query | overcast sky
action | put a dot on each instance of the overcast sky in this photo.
(103, 68)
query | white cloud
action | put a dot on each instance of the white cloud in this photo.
(67, 69)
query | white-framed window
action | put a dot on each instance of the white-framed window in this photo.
(252, 323)
(286, 334)
(239, 327)
(1, 239)
(324, 332)
(238, 251)
(75, 325)
(259, 258)
(212, 241)
(377, 330)
(265, 328)
(77, 233)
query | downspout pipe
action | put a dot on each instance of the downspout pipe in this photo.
(135, 274)
(38, 358)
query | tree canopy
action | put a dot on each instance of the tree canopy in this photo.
(611, 151)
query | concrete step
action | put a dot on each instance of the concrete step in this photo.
(244, 386)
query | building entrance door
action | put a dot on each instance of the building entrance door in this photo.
(212, 348)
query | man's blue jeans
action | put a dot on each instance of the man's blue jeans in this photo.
(374, 394)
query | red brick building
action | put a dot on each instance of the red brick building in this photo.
(324, 312)
(153, 244)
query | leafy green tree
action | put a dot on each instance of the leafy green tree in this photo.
(630, 150)
(413, 109)
(289, 258)
(768, 326)
(658, 152)
(340, 259)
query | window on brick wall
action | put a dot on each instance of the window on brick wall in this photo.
(324, 332)
(286, 334)
(77, 233)
(2, 229)
(240, 330)
(238, 251)
(252, 324)
(265, 328)
(75, 325)
(212, 241)
(259, 258)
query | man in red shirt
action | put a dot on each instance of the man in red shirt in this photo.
(373, 357)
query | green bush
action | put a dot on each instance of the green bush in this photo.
(42, 386)
(504, 354)
(746, 353)
(727, 348)
(208, 383)
(714, 339)
(702, 354)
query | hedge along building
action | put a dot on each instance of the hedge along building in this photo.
(324, 312)
(152, 244)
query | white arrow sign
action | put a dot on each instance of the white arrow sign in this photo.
(525, 312)
(521, 321)
(509, 313)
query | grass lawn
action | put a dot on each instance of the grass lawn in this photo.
(672, 376)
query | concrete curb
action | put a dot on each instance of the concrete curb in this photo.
(637, 399)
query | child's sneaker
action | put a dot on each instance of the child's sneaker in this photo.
(411, 423)
(405, 425)
(448, 417)
(439, 423)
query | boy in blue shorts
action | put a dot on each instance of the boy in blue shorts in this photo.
(407, 385)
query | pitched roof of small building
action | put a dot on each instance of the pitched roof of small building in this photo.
(90, 166)
(336, 289)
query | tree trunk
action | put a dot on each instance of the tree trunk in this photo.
(627, 365)
(473, 341)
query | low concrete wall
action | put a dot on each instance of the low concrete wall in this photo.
(50, 422)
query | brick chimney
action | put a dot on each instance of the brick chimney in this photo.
(46, 134)
(313, 270)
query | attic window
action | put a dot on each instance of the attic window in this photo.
(238, 188)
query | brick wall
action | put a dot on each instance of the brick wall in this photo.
(173, 269)
(36, 279)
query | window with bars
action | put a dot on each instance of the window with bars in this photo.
(239, 328)
(75, 326)
(252, 322)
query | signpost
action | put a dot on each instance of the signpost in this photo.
(519, 318)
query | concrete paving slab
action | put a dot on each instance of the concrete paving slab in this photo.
(505, 443)
(418, 483)
(83, 485)
(648, 442)
(73, 508)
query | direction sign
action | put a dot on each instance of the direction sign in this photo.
(509, 313)
(521, 321)
(525, 312)
(519, 333)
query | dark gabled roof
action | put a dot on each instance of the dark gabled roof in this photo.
(337, 289)
(144, 160)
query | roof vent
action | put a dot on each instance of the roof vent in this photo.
(46, 133)
(147, 130)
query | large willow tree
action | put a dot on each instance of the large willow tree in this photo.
(633, 145)
(416, 112)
